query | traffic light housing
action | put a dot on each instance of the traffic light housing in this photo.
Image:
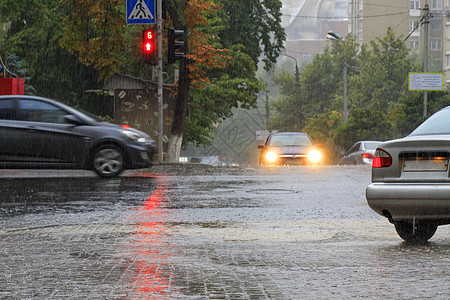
(176, 45)
(149, 46)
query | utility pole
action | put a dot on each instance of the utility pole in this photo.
(335, 37)
(297, 93)
(159, 22)
(345, 86)
(297, 96)
(426, 22)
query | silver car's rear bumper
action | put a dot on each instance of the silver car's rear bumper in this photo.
(410, 201)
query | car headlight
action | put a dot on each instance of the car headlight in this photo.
(314, 156)
(271, 156)
(136, 136)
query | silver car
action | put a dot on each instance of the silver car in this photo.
(411, 182)
(361, 153)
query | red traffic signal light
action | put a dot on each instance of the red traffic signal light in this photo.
(149, 46)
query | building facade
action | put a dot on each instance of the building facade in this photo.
(370, 19)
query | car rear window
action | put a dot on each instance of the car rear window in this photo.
(371, 145)
(439, 123)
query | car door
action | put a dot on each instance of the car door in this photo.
(50, 139)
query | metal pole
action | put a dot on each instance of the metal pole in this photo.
(297, 96)
(426, 12)
(297, 91)
(335, 37)
(345, 85)
(159, 21)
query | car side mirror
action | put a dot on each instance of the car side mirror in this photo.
(71, 119)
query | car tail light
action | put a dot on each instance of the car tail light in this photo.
(367, 155)
(125, 126)
(381, 159)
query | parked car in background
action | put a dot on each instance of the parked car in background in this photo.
(36, 132)
(288, 148)
(411, 181)
(207, 160)
(361, 153)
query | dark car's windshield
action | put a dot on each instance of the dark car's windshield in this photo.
(289, 140)
(439, 123)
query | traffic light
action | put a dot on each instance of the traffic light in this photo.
(176, 45)
(149, 49)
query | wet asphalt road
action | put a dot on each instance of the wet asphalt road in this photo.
(208, 233)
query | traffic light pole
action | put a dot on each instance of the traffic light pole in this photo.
(159, 23)
(426, 22)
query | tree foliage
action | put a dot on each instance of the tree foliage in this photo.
(94, 30)
(284, 119)
(33, 36)
(257, 24)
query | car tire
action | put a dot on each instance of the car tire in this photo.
(108, 161)
(421, 233)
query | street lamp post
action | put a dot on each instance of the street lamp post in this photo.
(297, 91)
(335, 37)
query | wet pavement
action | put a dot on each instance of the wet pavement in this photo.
(193, 232)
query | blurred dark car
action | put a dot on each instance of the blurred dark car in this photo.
(411, 180)
(36, 132)
(288, 148)
(361, 153)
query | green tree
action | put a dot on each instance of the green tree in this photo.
(94, 31)
(257, 24)
(383, 73)
(322, 80)
(284, 108)
(33, 36)
(236, 87)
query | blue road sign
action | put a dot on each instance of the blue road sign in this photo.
(141, 12)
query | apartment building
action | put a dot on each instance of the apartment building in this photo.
(369, 19)
(446, 41)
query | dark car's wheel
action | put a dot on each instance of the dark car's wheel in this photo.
(108, 161)
(418, 235)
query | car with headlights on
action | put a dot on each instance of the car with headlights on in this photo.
(411, 180)
(288, 148)
(37, 132)
(361, 153)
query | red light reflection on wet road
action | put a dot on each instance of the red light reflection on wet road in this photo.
(151, 266)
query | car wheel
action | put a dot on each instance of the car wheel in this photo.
(421, 233)
(108, 161)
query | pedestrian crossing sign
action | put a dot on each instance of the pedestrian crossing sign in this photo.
(141, 12)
